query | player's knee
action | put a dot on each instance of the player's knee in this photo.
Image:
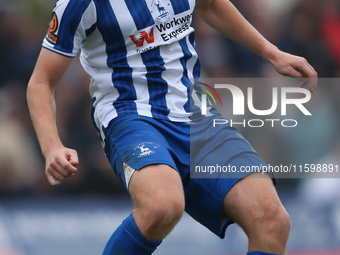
(275, 221)
(283, 223)
(167, 211)
(161, 216)
(269, 228)
(278, 214)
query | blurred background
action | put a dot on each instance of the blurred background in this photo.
(79, 216)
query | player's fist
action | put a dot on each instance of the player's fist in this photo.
(60, 164)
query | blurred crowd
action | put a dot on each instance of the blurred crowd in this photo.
(309, 28)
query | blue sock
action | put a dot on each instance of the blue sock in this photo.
(127, 240)
(260, 253)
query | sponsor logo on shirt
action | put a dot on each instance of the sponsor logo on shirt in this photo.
(143, 36)
(167, 28)
(175, 27)
(53, 27)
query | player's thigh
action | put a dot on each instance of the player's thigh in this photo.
(157, 185)
(252, 199)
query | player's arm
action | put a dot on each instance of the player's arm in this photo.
(60, 161)
(225, 18)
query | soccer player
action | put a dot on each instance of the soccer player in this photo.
(140, 55)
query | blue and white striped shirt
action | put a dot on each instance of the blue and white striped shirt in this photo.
(140, 54)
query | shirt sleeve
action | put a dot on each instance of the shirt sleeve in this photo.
(71, 23)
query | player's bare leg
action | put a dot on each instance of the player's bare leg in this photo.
(254, 205)
(158, 196)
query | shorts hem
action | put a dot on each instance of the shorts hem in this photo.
(145, 165)
(228, 220)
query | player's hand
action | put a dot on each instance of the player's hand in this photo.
(60, 164)
(296, 67)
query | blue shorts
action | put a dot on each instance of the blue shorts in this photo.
(133, 142)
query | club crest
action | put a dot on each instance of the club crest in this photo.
(161, 8)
